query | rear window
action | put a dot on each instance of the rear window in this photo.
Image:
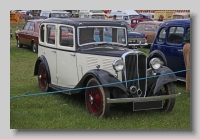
(139, 27)
(149, 27)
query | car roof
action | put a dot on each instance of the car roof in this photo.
(82, 21)
(151, 22)
(36, 20)
(176, 22)
(141, 19)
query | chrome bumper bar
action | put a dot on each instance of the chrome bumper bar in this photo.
(142, 99)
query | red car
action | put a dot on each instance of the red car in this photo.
(28, 36)
(135, 21)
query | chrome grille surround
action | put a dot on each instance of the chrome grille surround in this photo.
(135, 69)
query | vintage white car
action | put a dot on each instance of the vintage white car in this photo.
(74, 57)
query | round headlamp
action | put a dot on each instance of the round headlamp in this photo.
(118, 65)
(155, 63)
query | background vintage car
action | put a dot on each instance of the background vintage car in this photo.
(28, 36)
(149, 28)
(135, 39)
(135, 21)
(168, 45)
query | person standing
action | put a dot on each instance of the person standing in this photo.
(161, 17)
(186, 55)
(114, 17)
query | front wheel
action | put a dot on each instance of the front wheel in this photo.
(43, 78)
(95, 99)
(168, 104)
(19, 45)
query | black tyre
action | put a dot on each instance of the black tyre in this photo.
(34, 47)
(95, 99)
(43, 78)
(19, 45)
(168, 104)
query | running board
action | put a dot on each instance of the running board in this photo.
(60, 88)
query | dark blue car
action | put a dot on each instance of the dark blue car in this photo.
(168, 45)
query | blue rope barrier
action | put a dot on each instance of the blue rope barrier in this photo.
(75, 89)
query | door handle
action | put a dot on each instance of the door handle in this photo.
(72, 54)
(180, 50)
(53, 51)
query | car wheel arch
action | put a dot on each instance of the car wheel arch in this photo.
(38, 61)
(102, 80)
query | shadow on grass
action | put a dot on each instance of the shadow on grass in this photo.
(116, 110)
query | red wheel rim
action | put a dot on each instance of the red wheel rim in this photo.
(94, 100)
(42, 77)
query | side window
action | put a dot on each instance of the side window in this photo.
(139, 27)
(51, 34)
(162, 35)
(42, 33)
(66, 36)
(176, 35)
(31, 27)
(26, 26)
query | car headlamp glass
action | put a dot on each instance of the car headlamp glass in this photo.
(118, 65)
(155, 63)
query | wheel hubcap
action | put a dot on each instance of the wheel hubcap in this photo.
(91, 99)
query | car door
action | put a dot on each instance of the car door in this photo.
(170, 42)
(47, 47)
(174, 49)
(66, 57)
(22, 33)
(30, 33)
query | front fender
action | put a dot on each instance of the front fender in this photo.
(37, 63)
(166, 75)
(103, 77)
(156, 53)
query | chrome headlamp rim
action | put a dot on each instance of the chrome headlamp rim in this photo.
(118, 65)
(155, 63)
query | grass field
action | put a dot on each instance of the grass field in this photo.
(59, 111)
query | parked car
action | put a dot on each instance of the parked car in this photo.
(135, 39)
(168, 45)
(78, 61)
(28, 36)
(135, 21)
(149, 28)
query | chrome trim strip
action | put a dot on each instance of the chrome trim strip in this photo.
(131, 52)
(142, 99)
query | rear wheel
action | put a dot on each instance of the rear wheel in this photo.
(95, 99)
(43, 78)
(35, 48)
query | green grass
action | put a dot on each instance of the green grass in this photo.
(59, 111)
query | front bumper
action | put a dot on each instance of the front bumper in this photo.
(142, 99)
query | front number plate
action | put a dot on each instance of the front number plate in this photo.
(147, 105)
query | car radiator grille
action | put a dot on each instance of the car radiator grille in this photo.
(135, 69)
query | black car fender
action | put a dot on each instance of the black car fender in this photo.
(158, 54)
(104, 78)
(164, 75)
(37, 63)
